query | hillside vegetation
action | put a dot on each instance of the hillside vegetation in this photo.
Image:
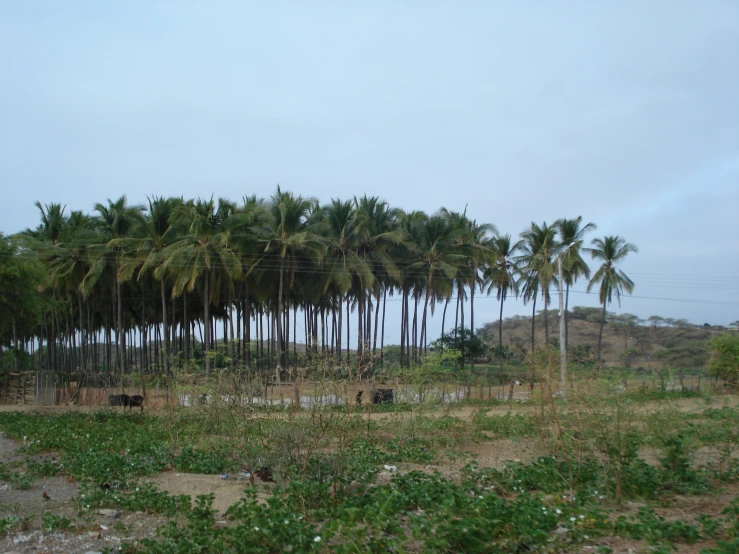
(628, 341)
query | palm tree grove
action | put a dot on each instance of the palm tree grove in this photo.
(275, 285)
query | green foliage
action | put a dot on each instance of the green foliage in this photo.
(583, 313)
(649, 526)
(20, 302)
(724, 360)
(51, 522)
(466, 345)
(10, 523)
(134, 497)
(212, 461)
(507, 425)
(628, 356)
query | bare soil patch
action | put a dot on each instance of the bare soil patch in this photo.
(227, 491)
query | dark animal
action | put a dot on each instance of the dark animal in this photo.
(383, 396)
(359, 397)
(135, 401)
(265, 474)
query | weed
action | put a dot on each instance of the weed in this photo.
(508, 425)
(50, 522)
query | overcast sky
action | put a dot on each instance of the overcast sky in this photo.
(626, 113)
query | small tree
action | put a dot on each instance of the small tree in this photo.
(467, 346)
(724, 361)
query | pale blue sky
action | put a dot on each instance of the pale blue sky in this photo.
(623, 112)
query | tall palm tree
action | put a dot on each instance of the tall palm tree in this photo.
(538, 268)
(285, 239)
(610, 251)
(154, 232)
(71, 263)
(202, 257)
(343, 264)
(244, 226)
(406, 254)
(477, 254)
(438, 259)
(376, 236)
(571, 234)
(502, 273)
(115, 221)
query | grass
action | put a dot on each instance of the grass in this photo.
(333, 493)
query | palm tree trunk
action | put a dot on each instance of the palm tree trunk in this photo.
(360, 338)
(92, 348)
(423, 321)
(206, 320)
(368, 325)
(314, 325)
(545, 293)
(83, 365)
(348, 335)
(279, 321)
(402, 328)
(186, 324)
(340, 327)
(165, 353)
(260, 342)
(461, 317)
(567, 319)
(456, 312)
(239, 314)
(472, 319)
(377, 318)
(120, 340)
(230, 312)
(443, 315)
(408, 329)
(247, 326)
(382, 335)
(600, 333)
(500, 325)
(533, 326)
(415, 327)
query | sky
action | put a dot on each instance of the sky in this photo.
(626, 113)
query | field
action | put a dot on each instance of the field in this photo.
(611, 469)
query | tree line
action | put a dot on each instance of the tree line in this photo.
(130, 286)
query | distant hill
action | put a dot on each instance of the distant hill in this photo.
(627, 340)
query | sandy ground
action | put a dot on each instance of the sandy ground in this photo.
(226, 491)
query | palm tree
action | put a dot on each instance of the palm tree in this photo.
(343, 264)
(410, 225)
(438, 259)
(244, 225)
(202, 257)
(476, 256)
(571, 233)
(537, 260)
(115, 221)
(71, 263)
(288, 238)
(155, 232)
(610, 251)
(502, 273)
(376, 236)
